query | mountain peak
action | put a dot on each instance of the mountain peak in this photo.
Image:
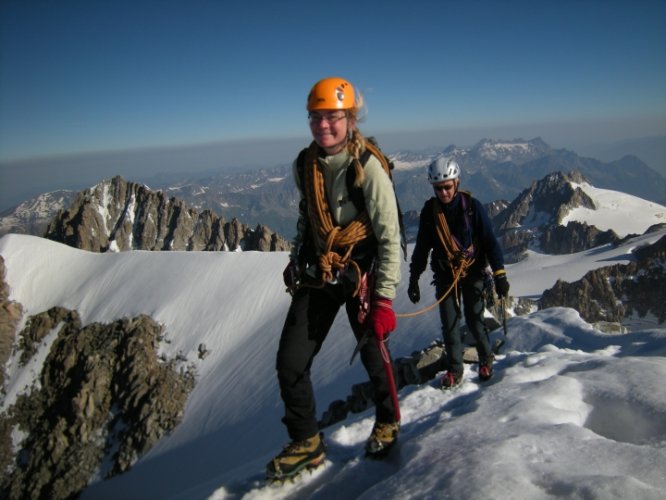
(564, 213)
(33, 215)
(119, 215)
(515, 150)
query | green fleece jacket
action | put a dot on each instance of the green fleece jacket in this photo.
(382, 210)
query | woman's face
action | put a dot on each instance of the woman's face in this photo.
(329, 129)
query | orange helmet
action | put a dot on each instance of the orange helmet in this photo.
(331, 93)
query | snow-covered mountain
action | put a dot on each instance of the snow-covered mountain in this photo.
(613, 210)
(116, 215)
(496, 169)
(572, 412)
(33, 215)
(496, 151)
(563, 213)
(493, 170)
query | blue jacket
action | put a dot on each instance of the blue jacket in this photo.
(476, 228)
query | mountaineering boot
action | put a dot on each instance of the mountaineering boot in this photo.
(486, 368)
(296, 456)
(382, 438)
(451, 380)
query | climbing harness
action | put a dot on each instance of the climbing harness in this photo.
(459, 259)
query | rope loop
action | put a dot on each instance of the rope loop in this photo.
(336, 243)
(459, 260)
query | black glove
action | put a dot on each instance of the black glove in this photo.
(290, 274)
(501, 284)
(413, 291)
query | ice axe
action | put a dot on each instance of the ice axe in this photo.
(388, 367)
(367, 282)
(360, 345)
(503, 301)
(503, 306)
(364, 303)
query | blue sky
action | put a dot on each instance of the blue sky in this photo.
(110, 75)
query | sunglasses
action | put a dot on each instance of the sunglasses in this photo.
(444, 187)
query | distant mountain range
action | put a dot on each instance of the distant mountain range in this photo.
(561, 213)
(499, 170)
(493, 170)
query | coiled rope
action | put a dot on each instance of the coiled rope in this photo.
(336, 242)
(458, 259)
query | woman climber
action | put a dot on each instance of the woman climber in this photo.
(457, 229)
(341, 256)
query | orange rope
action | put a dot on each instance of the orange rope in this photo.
(453, 254)
(336, 242)
(432, 306)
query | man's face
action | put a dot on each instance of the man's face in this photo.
(445, 191)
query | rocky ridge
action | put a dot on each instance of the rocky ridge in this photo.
(10, 316)
(534, 219)
(117, 215)
(102, 399)
(617, 293)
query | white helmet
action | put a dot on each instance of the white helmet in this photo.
(443, 169)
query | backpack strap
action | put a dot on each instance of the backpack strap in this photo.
(356, 193)
(468, 211)
(300, 168)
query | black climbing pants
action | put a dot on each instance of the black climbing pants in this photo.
(308, 322)
(470, 289)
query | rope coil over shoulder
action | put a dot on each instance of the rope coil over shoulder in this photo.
(336, 243)
(459, 260)
(455, 255)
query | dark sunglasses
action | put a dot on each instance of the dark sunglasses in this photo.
(444, 187)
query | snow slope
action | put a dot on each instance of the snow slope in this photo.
(623, 213)
(571, 412)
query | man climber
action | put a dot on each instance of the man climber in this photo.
(457, 229)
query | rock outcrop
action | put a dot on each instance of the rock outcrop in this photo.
(618, 292)
(10, 315)
(102, 400)
(574, 237)
(535, 218)
(117, 215)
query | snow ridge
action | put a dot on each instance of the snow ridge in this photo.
(571, 411)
